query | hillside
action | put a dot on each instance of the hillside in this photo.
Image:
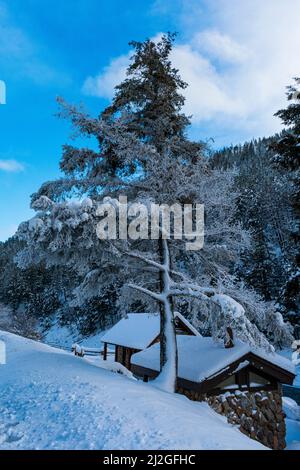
(50, 399)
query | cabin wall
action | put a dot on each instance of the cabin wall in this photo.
(123, 355)
(119, 354)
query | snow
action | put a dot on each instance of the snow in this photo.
(241, 366)
(65, 336)
(135, 331)
(292, 434)
(60, 336)
(287, 353)
(50, 399)
(296, 358)
(110, 365)
(212, 357)
(138, 330)
(292, 411)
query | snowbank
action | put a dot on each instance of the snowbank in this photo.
(291, 409)
(50, 399)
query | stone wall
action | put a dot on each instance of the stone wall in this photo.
(259, 415)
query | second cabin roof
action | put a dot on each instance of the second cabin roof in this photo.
(201, 358)
(139, 330)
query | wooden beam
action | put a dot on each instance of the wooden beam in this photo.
(271, 369)
(105, 352)
(229, 338)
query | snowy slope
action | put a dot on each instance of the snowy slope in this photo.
(292, 411)
(64, 337)
(50, 399)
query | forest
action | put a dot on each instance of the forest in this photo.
(55, 270)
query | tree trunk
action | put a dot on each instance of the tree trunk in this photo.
(168, 346)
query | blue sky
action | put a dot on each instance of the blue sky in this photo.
(237, 57)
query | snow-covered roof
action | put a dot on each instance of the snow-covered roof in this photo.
(138, 330)
(200, 358)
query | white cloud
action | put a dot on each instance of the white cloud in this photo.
(237, 69)
(104, 83)
(220, 46)
(205, 96)
(11, 166)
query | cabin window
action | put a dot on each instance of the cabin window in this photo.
(256, 380)
(228, 383)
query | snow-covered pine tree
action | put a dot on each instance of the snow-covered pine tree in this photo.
(287, 146)
(133, 161)
(152, 96)
(287, 159)
(264, 208)
(150, 105)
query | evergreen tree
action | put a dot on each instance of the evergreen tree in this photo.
(287, 147)
(165, 168)
(151, 96)
(143, 124)
(266, 207)
(287, 158)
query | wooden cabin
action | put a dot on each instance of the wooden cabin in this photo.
(138, 331)
(208, 368)
(236, 380)
(240, 382)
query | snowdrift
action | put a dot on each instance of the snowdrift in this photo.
(50, 399)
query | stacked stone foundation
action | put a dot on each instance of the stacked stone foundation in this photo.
(259, 415)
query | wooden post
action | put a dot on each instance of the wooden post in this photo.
(105, 352)
(229, 338)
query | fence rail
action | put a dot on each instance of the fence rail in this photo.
(80, 350)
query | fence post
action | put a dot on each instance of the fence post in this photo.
(105, 352)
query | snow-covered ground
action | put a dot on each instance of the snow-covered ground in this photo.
(292, 411)
(50, 399)
(292, 434)
(63, 337)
